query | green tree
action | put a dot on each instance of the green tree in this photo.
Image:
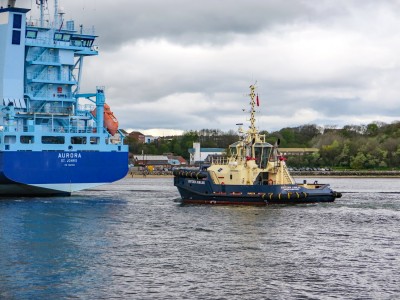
(372, 129)
(330, 153)
(358, 161)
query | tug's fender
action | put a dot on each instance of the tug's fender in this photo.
(190, 174)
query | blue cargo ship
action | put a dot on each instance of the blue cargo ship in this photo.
(255, 173)
(54, 140)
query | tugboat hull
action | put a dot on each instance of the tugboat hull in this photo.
(204, 191)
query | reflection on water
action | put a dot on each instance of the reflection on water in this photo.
(133, 240)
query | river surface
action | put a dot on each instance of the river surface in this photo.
(132, 240)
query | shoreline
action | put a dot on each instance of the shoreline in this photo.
(348, 174)
(296, 175)
(148, 176)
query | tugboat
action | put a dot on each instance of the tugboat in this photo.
(54, 140)
(255, 173)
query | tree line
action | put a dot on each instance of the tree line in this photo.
(371, 146)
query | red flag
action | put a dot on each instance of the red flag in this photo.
(258, 101)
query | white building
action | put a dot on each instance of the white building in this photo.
(149, 139)
(198, 154)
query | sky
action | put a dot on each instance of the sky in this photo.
(170, 66)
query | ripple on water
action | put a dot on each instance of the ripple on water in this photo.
(132, 240)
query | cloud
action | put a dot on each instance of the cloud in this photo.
(182, 65)
(196, 22)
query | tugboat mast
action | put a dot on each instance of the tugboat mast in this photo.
(253, 130)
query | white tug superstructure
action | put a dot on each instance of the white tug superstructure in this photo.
(252, 159)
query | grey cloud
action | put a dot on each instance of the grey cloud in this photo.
(182, 21)
(207, 21)
(341, 87)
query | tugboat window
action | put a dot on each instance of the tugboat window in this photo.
(262, 152)
(233, 151)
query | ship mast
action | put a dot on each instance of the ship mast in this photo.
(56, 14)
(41, 4)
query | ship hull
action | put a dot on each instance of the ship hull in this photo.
(48, 173)
(204, 191)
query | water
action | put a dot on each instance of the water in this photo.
(131, 240)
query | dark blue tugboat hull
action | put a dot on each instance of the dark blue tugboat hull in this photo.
(203, 191)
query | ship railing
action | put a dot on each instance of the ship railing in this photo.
(219, 160)
(87, 129)
(40, 41)
(87, 107)
(84, 109)
(36, 23)
(83, 113)
(241, 160)
(79, 129)
(50, 42)
(64, 26)
(48, 128)
(45, 58)
(42, 76)
(41, 94)
(50, 109)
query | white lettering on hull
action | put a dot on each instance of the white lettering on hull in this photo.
(196, 181)
(290, 188)
(69, 155)
(69, 159)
